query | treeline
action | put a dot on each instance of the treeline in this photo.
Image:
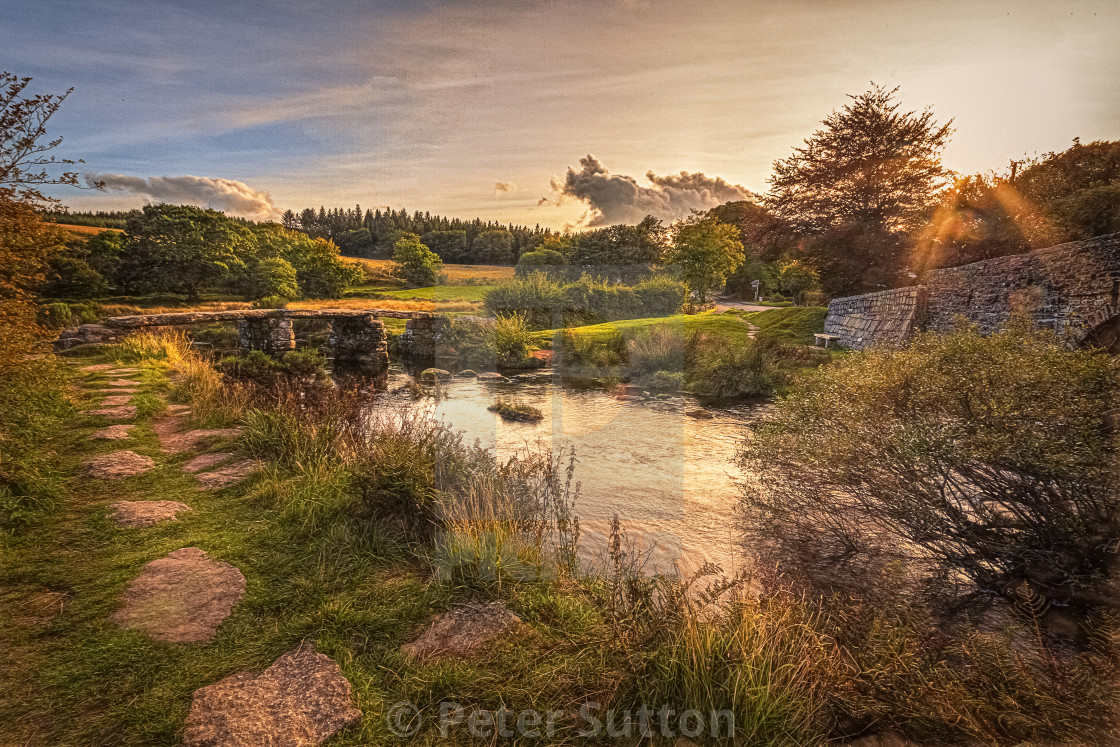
(184, 249)
(372, 233)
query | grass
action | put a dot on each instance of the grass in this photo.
(726, 326)
(516, 411)
(793, 324)
(441, 293)
(322, 568)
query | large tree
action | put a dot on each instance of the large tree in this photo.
(182, 248)
(706, 250)
(870, 175)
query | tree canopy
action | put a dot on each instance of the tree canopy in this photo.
(415, 263)
(706, 250)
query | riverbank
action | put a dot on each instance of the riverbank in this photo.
(349, 540)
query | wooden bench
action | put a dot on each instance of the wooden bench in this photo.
(821, 337)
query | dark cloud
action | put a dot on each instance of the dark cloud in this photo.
(227, 195)
(617, 198)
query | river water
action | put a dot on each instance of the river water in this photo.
(669, 477)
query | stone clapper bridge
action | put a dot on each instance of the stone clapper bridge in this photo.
(1072, 289)
(356, 335)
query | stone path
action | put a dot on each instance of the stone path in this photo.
(118, 465)
(206, 461)
(146, 513)
(227, 475)
(302, 699)
(182, 597)
(113, 433)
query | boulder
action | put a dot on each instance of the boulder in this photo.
(433, 374)
(466, 373)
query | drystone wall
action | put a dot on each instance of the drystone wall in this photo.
(1072, 289)
(884, 318)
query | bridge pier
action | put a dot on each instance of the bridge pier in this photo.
(273, 335)
(360, 339)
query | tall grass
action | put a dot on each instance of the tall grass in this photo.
(166, 346)
(550, 303)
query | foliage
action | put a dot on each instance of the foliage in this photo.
(859, 184)
(796, 278)
(182, 248)
(24, 163)
(494, 247)
(706, 250)
(55, 315)
(415, 263)
(263, 370)
(719, 370)
(320, 272)
(271, 278)
(540, 259)
(546, 301)
(621, 245)
(988, 463)
(34, 411)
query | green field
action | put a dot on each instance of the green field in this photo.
(723, 325)
(440, 293)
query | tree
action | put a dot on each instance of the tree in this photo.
(493, 247)
(541, 259)
(796, 278)
(451, 246)
(273, 278)
(24, 165)
(183, 248)
(320, 270)
(415, 263)
(986, 466)
(621, 245)
(706, 250)
(871, 174)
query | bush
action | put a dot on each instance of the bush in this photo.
(505, 342)
(585, 350)
(716, 369)
(272, 279)
(549, 303)
(263, 370)
(55, 315)
(987, 466)
(541, 260)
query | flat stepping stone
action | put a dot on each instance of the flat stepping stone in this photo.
(118, 465)
(182, 597)
(116, 400)
(462, 631)
(491, 376)
(113, 433)
(228, 475)
(125, 412)
(122, 371)
(115, 391)
(206, 461)
(146, 513)
(122, 382)
(174, 438)
(302, 699)
(99, 367)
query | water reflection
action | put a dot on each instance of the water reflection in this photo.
(669, 477)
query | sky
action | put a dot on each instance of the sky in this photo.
(562, 113)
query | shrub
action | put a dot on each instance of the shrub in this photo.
(541, 260)
(549, 303)
(505, 342)
(987, 465)
(716, 369)
(584, 350)
(55, 315)
(513, 342)
(263, 370)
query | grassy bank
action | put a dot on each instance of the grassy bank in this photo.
(795, 324)
(359, 528)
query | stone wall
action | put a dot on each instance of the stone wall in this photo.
(422, 335)
(1073, 289)
(1070, 288)
(888, 317)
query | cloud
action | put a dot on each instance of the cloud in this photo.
(214, 192)
(617, 198)
(504, 188)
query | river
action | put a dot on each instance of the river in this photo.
(669, 477)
